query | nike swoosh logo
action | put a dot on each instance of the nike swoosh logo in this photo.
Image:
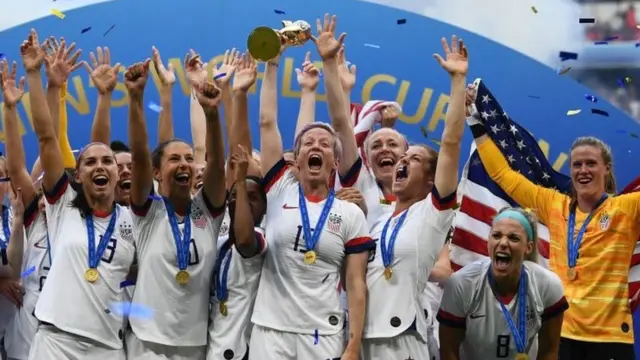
(287, 207)
(477, 316)
(42, 244)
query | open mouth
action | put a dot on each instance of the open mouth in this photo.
(401, 173)
(502, 260)
(386, 163)
(315, 162)
(100, 180)
(584, 180)
(125, 184)
(198, 184)
(183, 178)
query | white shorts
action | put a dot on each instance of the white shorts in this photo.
(145, 350)
(404, 346)
(269, 344)
(51, 343)
(432, 341)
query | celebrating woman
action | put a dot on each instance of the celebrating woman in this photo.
(588, 249)
(175, 233)
(495, 309)
(93, 251)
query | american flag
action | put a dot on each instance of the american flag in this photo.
(634, 271)
(482, 198)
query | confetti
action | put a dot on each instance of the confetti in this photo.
(587, 21)
(573, 112)
(58, 13)
(279, 12)
(599, 112)
(75, 151)
(533, 8)
(154, 107)
(85, 30)
(565, 55)
(219, 76)
(424, 131)
(634, 135)
(131, 310)
(534, 97)
(126, 283)
(611, 38)
(591, 98)
(29, 271)
(315, 337)
(111, 28)
(436, 142)
(601, 43)
(625, 81)
(372, 46)
(563, 71)
(401, 21)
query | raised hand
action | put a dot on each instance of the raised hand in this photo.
(240, 163)
(166, 74)
(16, 203)
(389, 116)
(469, 98)
(33, 53)
(196, 73)
(456, 60)
(59, 62)
(103, 75)
(326, 42)
(135, 78)
(246, 73)
(309, 76)
(347, 73)
(227, 68)
(208, 95)
(11, 94)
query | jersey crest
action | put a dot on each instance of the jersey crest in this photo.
(197, 217)
(334, 223)
(605, 220)
(224, 229)
(126, 232)
(531, 318)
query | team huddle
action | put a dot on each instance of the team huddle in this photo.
(335, 249)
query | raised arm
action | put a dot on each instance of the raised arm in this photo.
(33, 55)
(456, 64)
(16, 163)
(308, 79)
(167, 78)
(222, 76)
(135, 80)
(347, 79)
(15, 248)
(196, 73)
(328, 49)
(214, 189)
(270, 138)
(104, 78)
(244, 236)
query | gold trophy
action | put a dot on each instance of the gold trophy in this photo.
(264, 43)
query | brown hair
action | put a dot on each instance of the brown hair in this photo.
(607, 157)
(433, 158)
(533, 221)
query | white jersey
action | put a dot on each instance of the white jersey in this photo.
(7, 309)
(22, 327)
(468, 302)
(395, 305)
(294, 296)
(229, 335)
(68, 300)
(181, 311)
(379, 206)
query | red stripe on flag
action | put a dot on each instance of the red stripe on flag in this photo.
(469, 241)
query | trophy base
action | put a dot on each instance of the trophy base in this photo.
(264, 43)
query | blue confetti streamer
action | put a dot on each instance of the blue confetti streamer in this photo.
(401, 21)
(601, 42)
(219, 76)
(279, 12)
(155, 107)
(131, 310)
(565, 55)
(599, 112)
(29, 271)
(611, 38)
(85, 30)
(315, 337)
(126, 283)
(587, 21)
(591, 98)
(111, 28)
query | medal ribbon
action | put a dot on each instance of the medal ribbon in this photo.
(6, 229)
(222, 274)
(49, 250)
(573, 245)
(96, 254)
(312, 239)
(182, 241)
(518, 332)
(387, 249)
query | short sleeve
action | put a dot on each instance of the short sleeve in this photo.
(357, 237)
(631, 205)
(438, 212)
(277, 179)
(145, 220)
(57, 202)
(553, 296)
(202, 202)
(453, 312)
(31, 212)
(261, 240)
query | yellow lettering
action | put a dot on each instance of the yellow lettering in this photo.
(560, 160)
(422, 105)
(180, 75)
(122, 89)
(438, 113)
(21, 127)
(367, 89)
(26, 105)
(81, 104)
(287, 80)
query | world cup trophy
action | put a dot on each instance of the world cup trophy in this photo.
(264, 43)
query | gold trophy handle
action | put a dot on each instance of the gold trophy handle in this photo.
(264, 43)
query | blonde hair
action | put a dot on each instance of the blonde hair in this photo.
(607, 158)
(533, 222)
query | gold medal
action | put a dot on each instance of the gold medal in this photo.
(572, 274)
(522, 356)
(310, 257)
(182, 277)
(91, 275)
(388, 272)
(223, 308)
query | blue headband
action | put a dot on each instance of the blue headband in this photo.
(517, 216)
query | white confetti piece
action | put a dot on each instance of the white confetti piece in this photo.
(573, 112)
(155, 107)
(372, 46)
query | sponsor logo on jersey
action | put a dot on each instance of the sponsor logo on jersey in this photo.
(531, 318)
(605, 220)
(41, 244)
(334, 223)
(287, 207)
(126, 232)
(197, 217)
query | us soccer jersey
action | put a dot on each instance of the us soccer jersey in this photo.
(181, 311)
(89, 312)
(469, 303)
(7, 308)
(229, 333)
(23, 325)
(294, 296)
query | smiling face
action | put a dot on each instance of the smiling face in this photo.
(384, 149)
(508, 246)
(177, 170)
(588, 171)
(412, 178)
(316, 158)
(123, 190)
(97, 172)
